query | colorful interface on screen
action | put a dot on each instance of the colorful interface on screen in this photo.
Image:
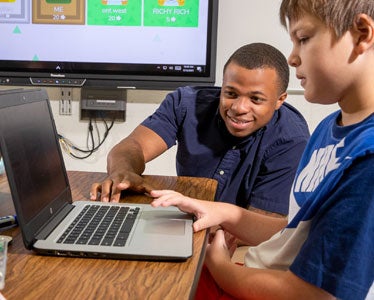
(104, 30)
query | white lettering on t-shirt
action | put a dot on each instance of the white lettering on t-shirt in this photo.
(322, 161)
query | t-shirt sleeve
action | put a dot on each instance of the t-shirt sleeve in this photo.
(338, 254)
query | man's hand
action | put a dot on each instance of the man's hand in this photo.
(126, 161)
(110, 189)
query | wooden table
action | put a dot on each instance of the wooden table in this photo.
(31, 276)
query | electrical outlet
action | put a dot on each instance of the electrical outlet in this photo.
(66, 101)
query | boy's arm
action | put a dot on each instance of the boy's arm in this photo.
(126, 162)
(265, 284)
(255, 283)
(250, 227)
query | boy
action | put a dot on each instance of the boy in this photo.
(326, 250)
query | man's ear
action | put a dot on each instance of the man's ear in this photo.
(363, 31)
(280, 100)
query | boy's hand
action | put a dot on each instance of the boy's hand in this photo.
(205, 213)
(220, 248)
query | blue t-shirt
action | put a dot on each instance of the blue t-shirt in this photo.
(329, 241)
(254, 171)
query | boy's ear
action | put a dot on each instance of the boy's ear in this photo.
(363, 30)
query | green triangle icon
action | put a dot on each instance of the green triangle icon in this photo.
(17, 30)
(35, 58)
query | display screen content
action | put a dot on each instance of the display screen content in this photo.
(108, 42)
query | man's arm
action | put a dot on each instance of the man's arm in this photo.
(140, 147)
(126, 162)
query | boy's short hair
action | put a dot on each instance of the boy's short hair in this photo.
(261, 55)
(338, 15)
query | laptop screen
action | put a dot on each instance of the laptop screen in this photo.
(31, 153)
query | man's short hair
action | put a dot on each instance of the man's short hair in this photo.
(259, 56)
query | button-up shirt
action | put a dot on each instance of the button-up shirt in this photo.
(256, 170)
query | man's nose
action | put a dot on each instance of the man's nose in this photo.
(242, 104)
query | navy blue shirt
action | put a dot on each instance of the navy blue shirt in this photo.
(256, 171)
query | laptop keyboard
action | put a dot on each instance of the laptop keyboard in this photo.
(101, 225)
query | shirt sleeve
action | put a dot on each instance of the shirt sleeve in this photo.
(165, 121)
(338, 253)
(273, 183)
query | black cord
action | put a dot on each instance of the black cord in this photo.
(68, 145)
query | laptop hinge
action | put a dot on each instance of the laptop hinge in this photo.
(54, 222)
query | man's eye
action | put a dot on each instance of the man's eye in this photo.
(230, 95)
(256, 99)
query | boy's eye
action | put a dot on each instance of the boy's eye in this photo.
(303, 40)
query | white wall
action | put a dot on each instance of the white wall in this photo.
(240, 22)
(76, 131)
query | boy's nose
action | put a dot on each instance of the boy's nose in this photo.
(293, 60)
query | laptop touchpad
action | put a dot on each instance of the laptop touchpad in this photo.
(163, 223)
(170, 227)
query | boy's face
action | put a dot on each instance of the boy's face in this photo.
(320, 59)
(248, 98)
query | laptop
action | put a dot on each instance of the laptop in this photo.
(47, 216)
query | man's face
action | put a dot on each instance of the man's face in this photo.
(248, 98)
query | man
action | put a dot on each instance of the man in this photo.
(242, 135)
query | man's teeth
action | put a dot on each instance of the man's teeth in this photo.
(238, 121)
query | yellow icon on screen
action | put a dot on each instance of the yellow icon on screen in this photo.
(171, 2)
(7, 0)
(114, 2)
